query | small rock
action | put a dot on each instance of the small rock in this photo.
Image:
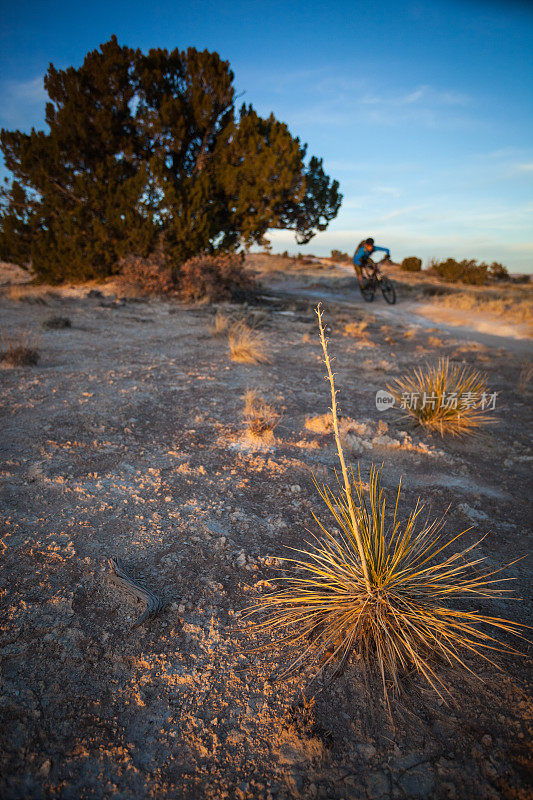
(366, 751)
(472, 513)
(45, 767)
(377, 785)
(294, 781)
(289, 754)
(419, 781)
(235, 737)
(486, 741)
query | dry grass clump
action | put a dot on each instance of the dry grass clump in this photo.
(510, 306)
(447, 398)
(322, 423)
(525, 378)
(355, 328)
(30, 293)
(220, 324)
(17, 292)
(20, 351)
(260, 418)
(246, 345)
(380, 588)
(56, 323)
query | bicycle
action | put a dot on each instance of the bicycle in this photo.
(375, 279)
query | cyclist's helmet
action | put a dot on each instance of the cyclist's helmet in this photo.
(369, 241)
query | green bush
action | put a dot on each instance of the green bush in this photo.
(464, 271)
(411, 264)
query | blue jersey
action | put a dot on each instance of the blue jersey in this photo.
(361, 254)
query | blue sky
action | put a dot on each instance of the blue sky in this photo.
(422, 110)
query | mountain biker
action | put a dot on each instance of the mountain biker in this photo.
(362, 255)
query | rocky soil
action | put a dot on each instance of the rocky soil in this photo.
(127, 440)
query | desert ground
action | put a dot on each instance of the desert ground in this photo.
(127, 440)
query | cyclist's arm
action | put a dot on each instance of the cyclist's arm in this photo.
(384, 249)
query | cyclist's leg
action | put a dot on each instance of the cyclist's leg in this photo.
(367, 272)
(359, 274)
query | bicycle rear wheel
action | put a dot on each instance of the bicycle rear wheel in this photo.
(388, 291)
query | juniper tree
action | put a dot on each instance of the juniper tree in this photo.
(76, 203)
(147, 150)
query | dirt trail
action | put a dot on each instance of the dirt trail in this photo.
(467, 325)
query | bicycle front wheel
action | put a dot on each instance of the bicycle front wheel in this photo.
(388, 291)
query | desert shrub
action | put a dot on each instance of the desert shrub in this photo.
(338, 255)
(260, 418)
(150, 275)
(411, 264)
(465, 271)
(446, 398)
(214, 278)
(246, 345)
(20, 351)
(379, 588)
(475, 274)
(56, 323)
(497, 272)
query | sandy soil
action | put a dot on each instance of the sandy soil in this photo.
(127, 441)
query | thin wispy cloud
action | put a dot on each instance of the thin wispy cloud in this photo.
(524, 167)
(400, 212)
(426, 94)
(332, 102)
(388, 190)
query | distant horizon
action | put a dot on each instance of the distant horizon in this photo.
(282, 241)
(423, 111)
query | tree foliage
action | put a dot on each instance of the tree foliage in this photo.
(146, 152)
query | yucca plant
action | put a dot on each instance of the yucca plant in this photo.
(380, 591)
(448, 398)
